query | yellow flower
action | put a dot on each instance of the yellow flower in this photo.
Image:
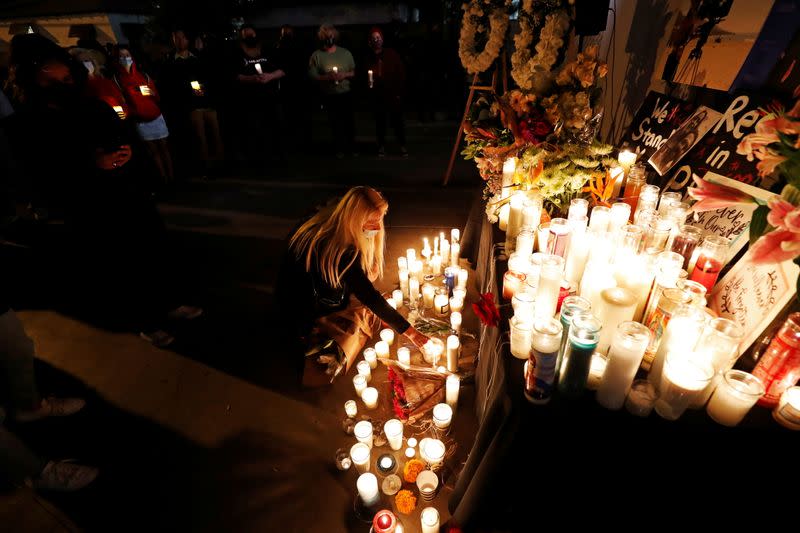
(406, 501)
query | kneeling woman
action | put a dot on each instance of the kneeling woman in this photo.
(325, 289)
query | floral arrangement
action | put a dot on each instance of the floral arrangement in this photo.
(548, 23)
(552, 134)
(486, 310)
(406, 501)
(414, 391)
(412, 469)
(775, 226)
(473, 24)
(398, 391)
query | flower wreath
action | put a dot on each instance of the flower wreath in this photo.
(551, 22)
(472, 24)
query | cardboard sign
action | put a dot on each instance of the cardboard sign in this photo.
(730, 222)
(752, 295)
(656, 120)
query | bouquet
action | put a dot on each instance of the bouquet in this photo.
(414, 392)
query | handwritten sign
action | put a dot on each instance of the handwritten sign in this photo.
(656, 120)
(752, 295)
(730, 222)
(716, 152)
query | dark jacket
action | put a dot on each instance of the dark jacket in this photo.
(389, 75)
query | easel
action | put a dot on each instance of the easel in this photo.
(472, 89)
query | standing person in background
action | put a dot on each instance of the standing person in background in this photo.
(98, 86)
(332, 67)
(386, 78)
(190, 95)
(259, 116)
(294, 87)
(142, 97)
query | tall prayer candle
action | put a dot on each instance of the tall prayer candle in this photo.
(626, 159)
(411, 256)
(579, 247)
(583, 336)
(524, 305)
(542, 237)
(413, 293)
(668, 269)
(428, 292)
(367, 485)
(455, 251)
(618, 216)
(455, 235)
(668, 199)
(597, 277)
(549, 286)
(681, 335)
(578, 208)
(521, 333)
(393, 429)
(617, 305)
(713, 252)
(453, 349)
(463, 276)
(403, 285)
(540, 373)
(525, 240)
(370, 397)
(455, 322)
(648, 199)
(627, 349)
(636, 275)
(558, 240)
(531, 214)
(570, 307)
(415, 270)
(451, 387)
(633, 185)
(598, 222)
(371, 357)
(520, 263)
(669, 302)
(436, 264)
(515, 216)
(360, 453)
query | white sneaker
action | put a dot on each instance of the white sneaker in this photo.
(158, 338)
(185, 312)
(63, 476)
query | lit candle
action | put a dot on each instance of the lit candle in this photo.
(598, 276)
(428, 292)
(617, 305)
(350, 408)
(363, 432)
(735, 395)
(410, 453)
(455, 251)
(641, 398)
(436, 264)
(681, 335)
(599, 219)
(455, 235)
(627, 349)
(681, 381)
(411, 256)
(195, 86)
(444, 250)
(367, 485)
(787, 412)
(432, 351)
(360, 453)
(403, 275)
(540, 371)
(719, 347)
(596, 371)
(382, 349)
(442, 415)
(430, 520)
(577, 359)
(451, 387)
(370, 397)
(145, 90)
(456, 304)
(667, 200)
(397, 296)
(426, 248)
(404, 355)
(626, 158)
(532, 214)
(391, 303)
(521, 333)
(524, 244)
(502, 217)
(363, 368)
(415, 269)
(384, 521)
(509, 169)
(453, 349)
(387, 336)
(571, 307)
(616, 176)
(512, 282)
(542, 236)
(371, 357)
(120, 111)
(369, 77)
(441, 305)
(261, 71)
(432, 451)
(515, 216)
(713, 252)
(635, 274)
(455, 322)
(360, 383)
(393, 429)
(549, 286)
(413, 293)
(463, 276)
(618, 217)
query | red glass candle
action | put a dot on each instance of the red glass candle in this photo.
(384, 522)
(512, 282)
(779, 366)
(712, 257)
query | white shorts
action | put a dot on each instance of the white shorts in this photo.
(154, 130)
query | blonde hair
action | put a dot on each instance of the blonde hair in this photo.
(329, 235)
(328, 30)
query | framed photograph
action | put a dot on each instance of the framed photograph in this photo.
(685, 137)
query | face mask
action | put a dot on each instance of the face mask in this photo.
(328, 42)
(250, 41)
(370, 233)
(89, 66)
(126, 62)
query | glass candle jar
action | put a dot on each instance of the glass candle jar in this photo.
(549, 285)
(682, 380)
(583, 336)
(657, 234)
(619, 216)
(668, 303)
(685, 243)
(558, 240)
(695, 290)
(779, 366)
(633, 186)
(668, 272)
(648, 198)
(668, 199)
(512, 282)
(519, 263)
(624, 357)
(617, 305)
(542, 236)
(787, 413)
(524, 304)
(532, 211)
(578, 209)
(428, 293)
(525, 241)
(570, 307)
(540, 372)
(598, 222)
(734, 396)
(711, 259)
(641, 398)
(681, 336)
(441, 302)
(521, 335)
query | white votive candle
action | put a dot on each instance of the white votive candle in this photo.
(460, 293)
(393, 429)
(626, 159)
(463, 277)
(370, 397)
(429, 518)
(596, 370)
(428, 293)
(455, 252)
(432, 351)
(734, 396)
(436, 264)
(453, 349)
(787, 413)
(350, 408)
(411, 452)
(363, 368)
(413, 292)
(403, 276)
(412, 441)
(363, 432)
(455, 322)
(641, 398)
(382, 349)
(360, 383)
(515, 216)
(682, 380)
(451, 387)
(456, 304)
(367, 486)
(387, 335)
(411, 256)
(442, 415)
(397, 296)
(433, 451)
(549, 286)
(371, 357)
(441, 305)
(627, 349)
(404, 355)
(360, 453)
(521, 336)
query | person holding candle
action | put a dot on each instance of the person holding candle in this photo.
(325, 286)
(387, 91)
(332, 67)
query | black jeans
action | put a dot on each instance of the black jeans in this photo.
(382, 107)
(340, 115)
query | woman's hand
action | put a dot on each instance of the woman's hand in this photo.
(113, 160)
(416, 337)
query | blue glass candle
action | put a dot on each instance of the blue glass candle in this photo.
(450, 279)
(570, 307)
(584, 334)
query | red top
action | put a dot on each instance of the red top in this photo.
(142, 107)
(107, 91)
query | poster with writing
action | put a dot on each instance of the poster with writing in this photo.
(716, 152)
(683, 139)
(656, 120)
(730, 222)
(752, 295)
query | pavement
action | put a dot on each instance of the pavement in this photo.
(201, 436)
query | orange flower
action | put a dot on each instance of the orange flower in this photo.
(412, 469)
(406, 501)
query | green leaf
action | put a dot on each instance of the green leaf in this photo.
(758, 224)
